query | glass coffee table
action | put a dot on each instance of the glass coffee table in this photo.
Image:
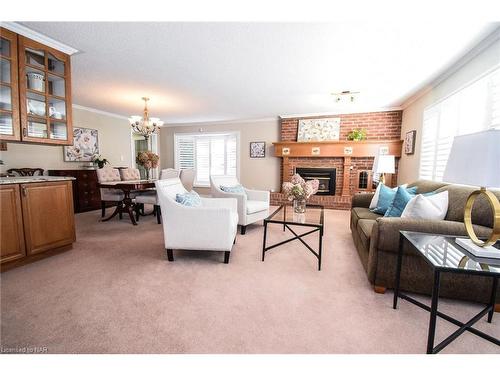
(443, 255)
(285, 216)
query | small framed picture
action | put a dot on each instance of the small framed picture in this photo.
(315, 151)
(257, 149)
(410, 142)
(285, 151)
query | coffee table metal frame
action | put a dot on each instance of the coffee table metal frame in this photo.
(286, 225)
(433, 309)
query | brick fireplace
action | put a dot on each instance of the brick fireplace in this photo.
(382, 128)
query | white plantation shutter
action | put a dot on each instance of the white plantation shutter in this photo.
(470, 110)
(208, 154)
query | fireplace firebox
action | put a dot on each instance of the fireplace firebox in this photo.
(325, 176)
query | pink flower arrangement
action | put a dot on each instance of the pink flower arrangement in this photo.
(147, 159)
(298, 188)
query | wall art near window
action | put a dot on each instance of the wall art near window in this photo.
(410, 142)
(318, 130)
(257, 149)
(85, 145)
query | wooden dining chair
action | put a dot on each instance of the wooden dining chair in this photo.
(26, 171)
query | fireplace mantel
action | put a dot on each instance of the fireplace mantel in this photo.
(336, 148)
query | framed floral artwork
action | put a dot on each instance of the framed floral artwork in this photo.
(85, 145)
(317, 130)
(257, 149)
(410, 142)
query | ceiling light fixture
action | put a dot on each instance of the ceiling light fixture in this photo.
(144, 124)
(345, 96)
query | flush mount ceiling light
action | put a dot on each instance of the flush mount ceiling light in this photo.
(144, 124)
(345, 96)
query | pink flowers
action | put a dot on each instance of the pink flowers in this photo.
(147, 159)
(298, 188)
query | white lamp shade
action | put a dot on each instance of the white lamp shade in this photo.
(475, 160)
(384, 164)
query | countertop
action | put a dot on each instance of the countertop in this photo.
(32, 179)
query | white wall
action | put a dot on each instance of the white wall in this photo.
(257, 173)
(413, 113)
(114, 144)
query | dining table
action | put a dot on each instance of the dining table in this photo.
(127, 205)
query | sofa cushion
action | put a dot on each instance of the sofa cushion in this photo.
(426, 186)
(364, 230)
(399, 202)
(362, 213)
(457, 196)
(256, 206)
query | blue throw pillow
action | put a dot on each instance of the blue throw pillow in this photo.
(191, 199)
(399, 202)
(386, 197)
(233, 189)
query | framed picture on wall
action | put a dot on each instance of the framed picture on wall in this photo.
(410, 142)
(85, 145)
(317, 130)
(257, 149)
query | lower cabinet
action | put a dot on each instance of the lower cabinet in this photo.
(12, 243)
(36, 217)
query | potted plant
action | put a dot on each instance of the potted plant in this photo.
(357, 135)
(298, 191)
(147, 160)
(100, 161)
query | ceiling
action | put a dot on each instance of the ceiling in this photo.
(197, 72)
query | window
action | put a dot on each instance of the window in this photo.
(472, 109)
(209, 154)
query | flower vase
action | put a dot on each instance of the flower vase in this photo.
(147, 174)
(299, 206)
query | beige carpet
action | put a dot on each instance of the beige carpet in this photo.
(116, 293)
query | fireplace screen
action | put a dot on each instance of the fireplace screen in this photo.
(325, 176)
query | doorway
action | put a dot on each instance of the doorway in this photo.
(139, 144)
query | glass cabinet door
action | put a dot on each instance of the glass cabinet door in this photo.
(45, 94)
(9, 96)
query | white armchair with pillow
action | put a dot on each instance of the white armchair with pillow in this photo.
(209, 224)
(253, 205)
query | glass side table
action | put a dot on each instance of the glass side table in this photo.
(442, 254)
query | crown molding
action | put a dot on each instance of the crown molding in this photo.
(98, 111)
(224, 122)
(361, 110)
(38, 37)
(471, 54)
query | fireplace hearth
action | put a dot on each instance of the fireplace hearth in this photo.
(325, 176)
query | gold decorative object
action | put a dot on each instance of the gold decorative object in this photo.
(495, 206)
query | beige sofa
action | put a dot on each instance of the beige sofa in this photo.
(377, 240)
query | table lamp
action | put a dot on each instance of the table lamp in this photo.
(475, 160)
(383, 164)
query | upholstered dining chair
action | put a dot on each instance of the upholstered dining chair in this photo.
(187, 178)
(108, 174)
(130, 174)
(26, 171)
(211, 226)
(169, 173)
(253, 205)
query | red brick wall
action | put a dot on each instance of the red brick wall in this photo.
(378, 125)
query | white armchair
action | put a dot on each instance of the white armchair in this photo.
(212, 226)
(253, 205)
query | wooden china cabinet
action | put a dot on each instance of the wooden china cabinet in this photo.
(35, 102)
(10, 129)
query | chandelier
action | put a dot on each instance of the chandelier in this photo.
(144, 124)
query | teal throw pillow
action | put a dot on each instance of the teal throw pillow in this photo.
(191, 199)
(386, 197)
(233, 189)
(399, 202)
